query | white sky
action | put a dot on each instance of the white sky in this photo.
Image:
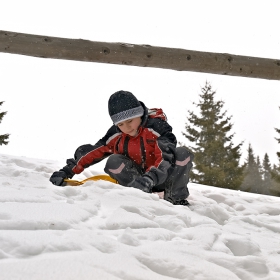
(56, 105)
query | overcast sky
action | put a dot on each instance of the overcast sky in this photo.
(56, 105)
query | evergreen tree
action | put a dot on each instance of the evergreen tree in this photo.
(276, 170)
(252, 176)
(268, 182)
(259, 165)
(275, 188)
(216, 161)
(3, 138)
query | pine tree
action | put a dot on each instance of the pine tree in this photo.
(275, 188)
(3, 138)
(216, 161)
(252, 176)
(259, 165)
(276, 169)
(268, 182)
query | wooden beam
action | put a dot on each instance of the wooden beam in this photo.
(139, 55)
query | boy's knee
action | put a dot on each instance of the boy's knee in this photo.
(114, 159)
(114, 162)
(121, 168)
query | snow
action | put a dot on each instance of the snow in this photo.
(101, 230)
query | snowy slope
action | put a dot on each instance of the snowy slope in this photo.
(105, 231)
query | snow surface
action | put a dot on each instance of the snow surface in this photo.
(102, 230)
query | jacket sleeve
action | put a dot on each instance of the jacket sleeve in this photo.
(87, 155)
(164, 151)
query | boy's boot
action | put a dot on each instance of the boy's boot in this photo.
(176, 190)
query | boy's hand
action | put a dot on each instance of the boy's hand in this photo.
(143, 183)
(58, 177)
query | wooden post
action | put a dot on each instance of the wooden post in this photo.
(139, 55)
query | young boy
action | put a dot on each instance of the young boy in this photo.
(141, 149)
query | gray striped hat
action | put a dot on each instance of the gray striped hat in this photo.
(123, 105)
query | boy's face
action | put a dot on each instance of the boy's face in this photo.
(130, 126)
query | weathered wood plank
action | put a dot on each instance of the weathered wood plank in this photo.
(139, 55)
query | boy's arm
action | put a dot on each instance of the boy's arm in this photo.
(85, 156)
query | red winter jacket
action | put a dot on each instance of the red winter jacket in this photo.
(153, 148)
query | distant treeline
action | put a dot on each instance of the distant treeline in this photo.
(217, 159)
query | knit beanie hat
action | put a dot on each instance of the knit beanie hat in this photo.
(123, 105)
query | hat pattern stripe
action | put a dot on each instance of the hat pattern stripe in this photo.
(128, 114)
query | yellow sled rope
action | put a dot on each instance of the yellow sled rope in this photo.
(70, 182)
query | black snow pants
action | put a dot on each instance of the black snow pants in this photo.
(124, 170)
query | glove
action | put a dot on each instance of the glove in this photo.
(143, 183)
(58, 177)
